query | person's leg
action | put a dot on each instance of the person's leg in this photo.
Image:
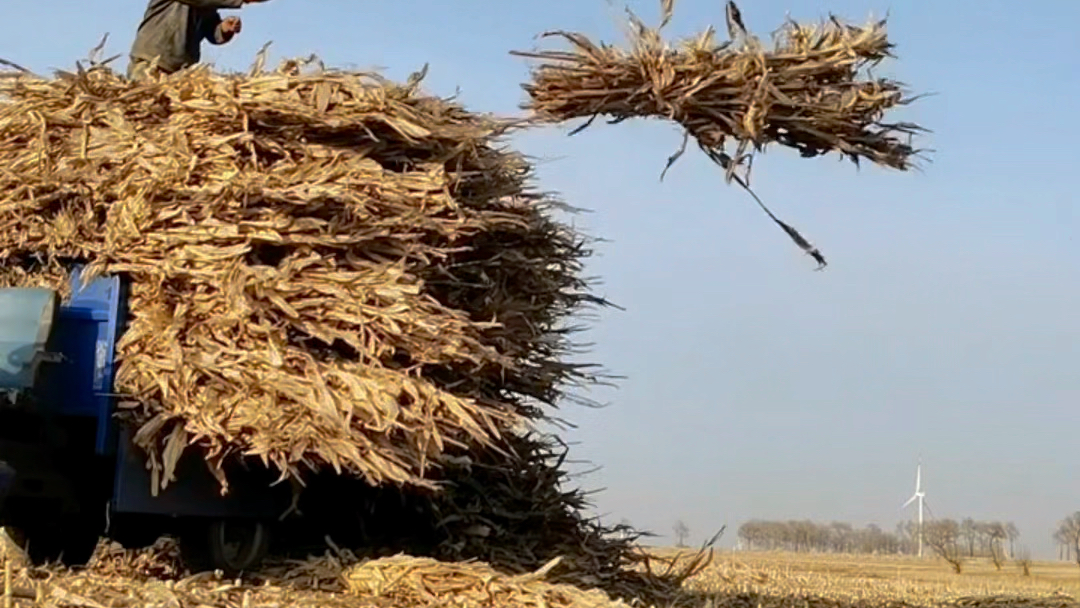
(138, 69)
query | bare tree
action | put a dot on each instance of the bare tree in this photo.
(682, 532)
(942, 536)
(1014, 534)
(808, 536)
(907, 532)
(1062, 544)
(1068, 534)
(1023, 560)
(996, 535)
(970, 533)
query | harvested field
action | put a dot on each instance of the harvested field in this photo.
(122, 579)
(881, 581)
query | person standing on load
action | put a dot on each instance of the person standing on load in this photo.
(172, 31)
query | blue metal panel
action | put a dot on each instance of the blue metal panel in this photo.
(86, 333)
(195, 493)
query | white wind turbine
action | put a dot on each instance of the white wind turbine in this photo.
(918, 496)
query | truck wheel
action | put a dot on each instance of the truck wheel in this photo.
(238, 545)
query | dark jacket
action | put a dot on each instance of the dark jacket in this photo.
(173, 31)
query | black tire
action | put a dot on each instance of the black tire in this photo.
(237, 546)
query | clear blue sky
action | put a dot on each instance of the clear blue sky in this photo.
(947, 323)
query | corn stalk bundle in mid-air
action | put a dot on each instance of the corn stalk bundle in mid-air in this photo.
(811, 91)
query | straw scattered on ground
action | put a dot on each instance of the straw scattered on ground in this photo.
(514, 507)
(118, 578)
(408, 582)
(812, 91)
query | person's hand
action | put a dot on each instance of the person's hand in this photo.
(230, 26)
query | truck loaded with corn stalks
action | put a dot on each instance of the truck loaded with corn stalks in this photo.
(317, 274)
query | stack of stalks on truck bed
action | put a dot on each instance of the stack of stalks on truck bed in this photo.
(327, 270)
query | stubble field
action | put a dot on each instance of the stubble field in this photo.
(777, 578)
(118, 578)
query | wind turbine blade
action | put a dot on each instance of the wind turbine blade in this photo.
(918, 478)
(910, 500)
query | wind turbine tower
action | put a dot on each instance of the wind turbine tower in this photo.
(918, 496)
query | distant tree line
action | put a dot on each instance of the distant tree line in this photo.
(809, 536)
(988, 538)
(956, 541)
(968, 538)
(1067, 537)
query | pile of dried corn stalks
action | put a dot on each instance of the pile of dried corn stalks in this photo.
(515, 508)
(118, 577)
(328, 270)
(811, 91)
(398, 582)
(408, 581)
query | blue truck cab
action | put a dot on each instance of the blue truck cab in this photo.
(70, 471)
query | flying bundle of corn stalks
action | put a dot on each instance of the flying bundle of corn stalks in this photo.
(327, 269)
(811, 91)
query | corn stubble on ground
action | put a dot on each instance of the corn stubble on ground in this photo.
(121, 579)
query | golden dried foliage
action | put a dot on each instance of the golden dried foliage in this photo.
(129, 579)
(807, 92)
(160, 561)
(327, 269)
(409, 581)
